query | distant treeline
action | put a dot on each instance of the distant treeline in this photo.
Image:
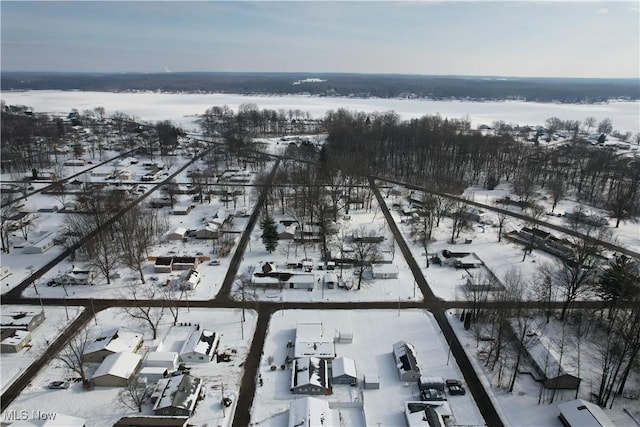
(358, 85)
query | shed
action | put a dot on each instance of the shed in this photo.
(162, 359)
(343, 371)
(579, 413)
(371, 381)
(344, 337)
(117, 369)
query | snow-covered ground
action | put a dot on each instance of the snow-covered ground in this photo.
(522, 406)
(56, 319)
(102, 406)
(182, 108)
(374, 333)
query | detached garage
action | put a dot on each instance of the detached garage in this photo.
(117, 369)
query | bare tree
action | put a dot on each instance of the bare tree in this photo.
(72, 354)
(139, 310)
(138, 229)
(135, 394)
(365, 252)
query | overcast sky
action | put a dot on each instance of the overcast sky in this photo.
(554, 39)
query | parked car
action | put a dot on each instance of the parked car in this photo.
(58, 385)
(455, 387)
(214, 262)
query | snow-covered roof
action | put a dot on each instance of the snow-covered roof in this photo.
(180, 231)
(178, 392)
(311, 341)
(200, 342)
(427, 413)
(311, 412)
(161, 356)
(15, 336)
(405, 355)
(115, 340)
(579, 413)
(385, 269)
(121, 365)
(343, 366)
(309, 371)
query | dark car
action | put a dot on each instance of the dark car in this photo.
(455, 387)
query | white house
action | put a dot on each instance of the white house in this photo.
(112, 341)
(385, 271)
(39, 242)
(117, 369)
(26, 320)
(14, 340)
(74, 277)
(310, 375)
(312, 341)
(200, 346)
(406, 363)
(579, 413)
(311, 412)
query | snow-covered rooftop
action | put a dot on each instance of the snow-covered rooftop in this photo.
(122, 365)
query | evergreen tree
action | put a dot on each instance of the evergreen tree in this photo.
(269, 233)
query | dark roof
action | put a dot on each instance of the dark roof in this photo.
(153, 421)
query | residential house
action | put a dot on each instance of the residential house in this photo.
(75, 276)
(330, 279)
(117, 369)
(286, 232)
(13, 340)
(312, 412)
(209, 230)
(580, 413)
(310, 375)
(406, 363)
(177, 396)
(385, 271)
(26, 320)
(201, 345)
(189, 280)
(39, 242)
(112, 341)
(343, 371)
(553, 371)
(312, 341)
(266, 274)
(178, 234)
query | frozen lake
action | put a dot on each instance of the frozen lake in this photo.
(181, 108)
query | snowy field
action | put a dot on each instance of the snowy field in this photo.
(374, 333)
(182, 108)
(102, 406)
